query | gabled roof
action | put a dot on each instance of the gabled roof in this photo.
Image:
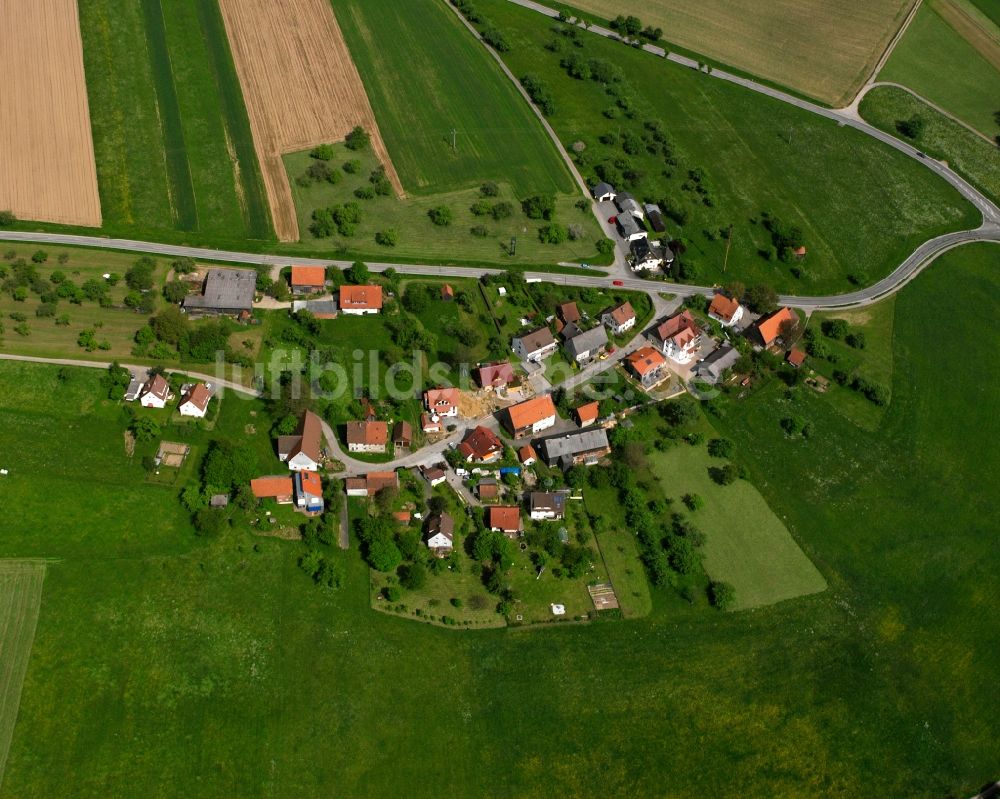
(402, 431)
(311, 483)
(588, 413)
(568, 312)
(627, 224)
(578, 442)
(495, 374)
(645, 360)
(504, 517)
(441, 398)
(198, 395)
(367, 432)
(796, 357)
(360, 298)
(447, 292)
(527, 453)
(226, 290)
(723, 307)
(527, 413)
(770, 328)
(620, 314)
(480, 443)
(488, 489)
(157, 386)
(603, 188)
(679, 328)
(307, 439)
(544, 500)
(376, 481)
(536, 339)
(270, 487)
(428, 425)
(587, 341)
(717, 362)
(443, 524)
(313, 276)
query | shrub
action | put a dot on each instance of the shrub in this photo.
(489, 189)
(440, 215)
(502, 210)
(7, 218)
(835, 328)
(323, 152)
(552, 234)
(911, 128)
(387, 238)
(541, 206)
(855, 340)
(40, 256)
(357, 139)
(721, 594)
(721, 448)
(352, 167)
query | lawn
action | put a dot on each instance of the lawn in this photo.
(436, 80)
(935, 60)
(20, 597)
(171, 135)
(743, 153)
(975, 159)
(417, 236)
(821, 49)
(620, 552)
(166, 664)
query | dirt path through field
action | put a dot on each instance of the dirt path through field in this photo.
(301, 89)
(47, 167)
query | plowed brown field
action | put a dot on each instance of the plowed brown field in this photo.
(47, 169)
(300, 86)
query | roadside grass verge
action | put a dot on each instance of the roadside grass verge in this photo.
(975, 159)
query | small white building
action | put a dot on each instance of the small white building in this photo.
(155, 393)
(194, 400)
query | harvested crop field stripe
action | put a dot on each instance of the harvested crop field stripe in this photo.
(20, 598)
(178, 170)
(47, 168)
(240, 138)
(300, 86)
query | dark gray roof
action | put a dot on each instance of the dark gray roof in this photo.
(570, 444)
(627, 224)
(714, 365)
(603, 188)
(587, 341)
(226, 290)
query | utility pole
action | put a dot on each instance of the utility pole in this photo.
(454, 141)
(513, 246)
(729, 243)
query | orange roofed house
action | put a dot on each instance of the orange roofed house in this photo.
(769, 329)
(370, 484)
(620, 318)
(531, 416)
(305, 489)
(308, 279)
(648, 366)
(302, 450)
(679, 337)
(504, 519)
(725, 310)
(442, 401)
(360, 300)
(587, 414)
(481, 445)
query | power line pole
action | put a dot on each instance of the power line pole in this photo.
(454, 140)
(729, 243)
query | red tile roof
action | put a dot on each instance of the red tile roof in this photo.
(376, 481)
(361, 298)
(271, 487)
(367, 432)
(723, 307)
(480, 443)
(588, 412)
(198, 395)
(311, 483)
(527, 453)
(157, 386)
(311, 276)
(796, 357)
(441, 400)
(622, 313)
(504, 517)
(645, 360)
(527, 413)
(428, 425)
(680, 329)
(495, 374)
(568, 312)
(770, 328)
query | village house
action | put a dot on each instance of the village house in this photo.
(308, 279)
(441, 534)
(308, 489)
(435, 475)
(712, 368)
(481, 445)
(194, 399)
(504, 519)
(155, 393)
(587, 345)
(603, 192)
(655, 218)
(648, 255)
(371, 484)
(568, 312)
(629, 229)
(769, 328)
(531, 416)
(360, 300)
(587, 414)
(280, 489)
(619, 319)
(796, 357)
(648, 366)
(527, 455)
(488, 489)
(627, 204)
(431, 424)
(580, 448)
(679, 337)
(547, 506)
(367, 436)
(442, 402)
(725, 310)
(225, 291)
(402, 435)
(302, 451)
(494, 375)
(535, 346)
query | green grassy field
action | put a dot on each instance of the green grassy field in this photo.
(937, 62)
(171, 135)
(435, 79)
(975, 159)
(754, 154)
(166, 664)
(418, 237)
(20, 598)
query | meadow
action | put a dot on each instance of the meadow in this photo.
(171, 134)
(418, 238)
(958, 71)
(821, 49)
(168, 664)
(975, 159)
(733, 156)
(436, 80)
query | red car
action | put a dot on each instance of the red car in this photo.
(617, 283)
